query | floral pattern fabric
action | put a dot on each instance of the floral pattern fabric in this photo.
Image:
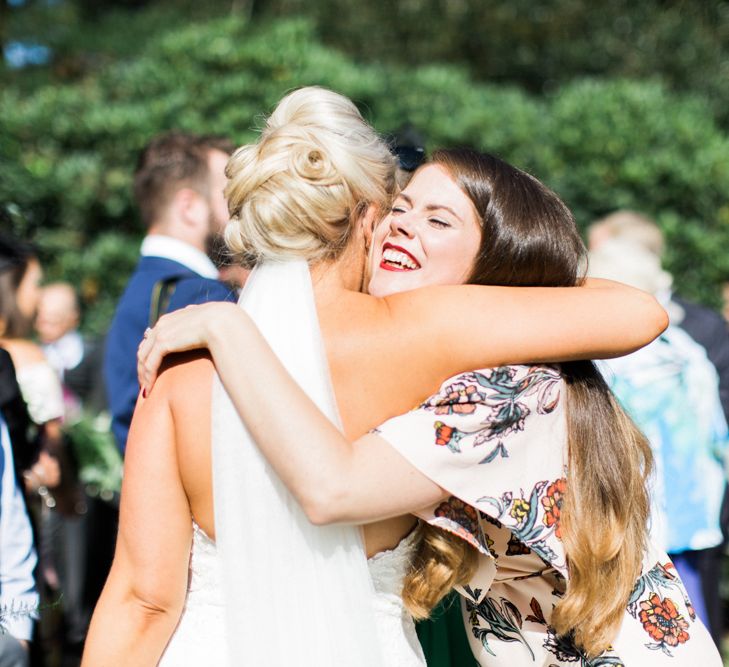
(496, 440)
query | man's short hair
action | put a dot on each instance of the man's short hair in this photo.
(633, 226)
(170, 162)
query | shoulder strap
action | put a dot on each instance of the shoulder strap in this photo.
(161, 295)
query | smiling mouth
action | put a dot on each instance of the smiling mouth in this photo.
(395, 258)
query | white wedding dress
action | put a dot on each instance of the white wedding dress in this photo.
(275, 590)
(199, 638)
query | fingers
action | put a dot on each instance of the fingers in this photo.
(154, 361)
(146, 358)
(179, 331)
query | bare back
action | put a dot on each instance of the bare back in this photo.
(369, 383)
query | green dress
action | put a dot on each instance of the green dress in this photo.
(443, 636)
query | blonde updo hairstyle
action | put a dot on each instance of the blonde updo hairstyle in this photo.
(296, 191)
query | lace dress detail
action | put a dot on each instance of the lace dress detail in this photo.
(395, 625)
(199, 638)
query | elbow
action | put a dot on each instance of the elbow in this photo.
(642, 319)
(152, 602)
(325, 505)
(659, 317)
(129, 628)
(151, 612)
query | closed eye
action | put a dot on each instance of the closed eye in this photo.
(437, 222)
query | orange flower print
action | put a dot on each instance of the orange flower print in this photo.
(661, 620)
(447, 436)
(552, 503)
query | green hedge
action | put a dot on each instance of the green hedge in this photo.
(67, 151)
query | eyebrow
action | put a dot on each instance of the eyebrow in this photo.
(431, 207)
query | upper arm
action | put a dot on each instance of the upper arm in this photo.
(464, 327)
(155, 528)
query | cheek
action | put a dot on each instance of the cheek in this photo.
(28, 298)
(451, 263)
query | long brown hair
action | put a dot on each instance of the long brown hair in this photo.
(15, 258)
(529, 238)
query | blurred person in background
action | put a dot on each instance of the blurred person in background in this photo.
(50, 480)
(84, 541)
(704, 326)
(77, 360)
(671, 390)
(20, 276)
(15, 413)
(178, 188)
(18, 594)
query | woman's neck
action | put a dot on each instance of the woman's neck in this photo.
(344, 273)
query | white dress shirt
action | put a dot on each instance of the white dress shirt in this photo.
(65, 353)
(158, 245)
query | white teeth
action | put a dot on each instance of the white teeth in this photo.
(396, 257)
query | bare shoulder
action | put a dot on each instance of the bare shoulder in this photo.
(23, 352)
(182, 373)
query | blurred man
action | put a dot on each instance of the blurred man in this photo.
(178, 187)
(76, 360)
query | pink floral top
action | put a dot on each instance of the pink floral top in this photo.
(496, 440)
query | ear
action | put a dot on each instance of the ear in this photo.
(367, 221)
(191, 208)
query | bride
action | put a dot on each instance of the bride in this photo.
(203, 554)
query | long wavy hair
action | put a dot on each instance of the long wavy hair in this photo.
(529, 238)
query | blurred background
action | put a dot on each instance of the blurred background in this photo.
(615, 105)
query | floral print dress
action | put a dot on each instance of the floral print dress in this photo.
(496, 440)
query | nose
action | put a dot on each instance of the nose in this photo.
(403, 225)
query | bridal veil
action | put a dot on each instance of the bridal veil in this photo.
(295, 593)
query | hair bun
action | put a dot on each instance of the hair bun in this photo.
(293, 192)
(312, 163)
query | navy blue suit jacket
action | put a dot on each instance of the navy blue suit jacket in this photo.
(131, 319)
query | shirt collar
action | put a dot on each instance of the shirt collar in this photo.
(158, 245)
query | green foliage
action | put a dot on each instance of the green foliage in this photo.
(67, 151)
(99, 461)
(537, 45)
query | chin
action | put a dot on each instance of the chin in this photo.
(385, 285)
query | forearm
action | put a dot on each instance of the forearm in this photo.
(636, 317)
(127, 630)
(145, 592)
(493, 326)
(601, 319)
